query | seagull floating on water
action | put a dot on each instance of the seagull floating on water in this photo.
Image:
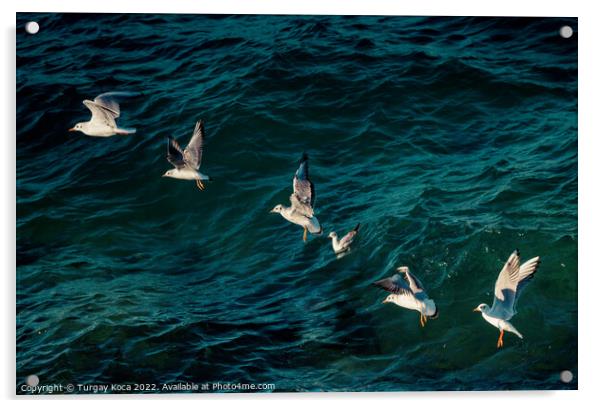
(301, 211)
(105, 109)
(409, 293)
(510, 282)
(187, 162)
(341, 245)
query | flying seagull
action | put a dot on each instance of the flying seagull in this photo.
(409, 293)
(187, 162)
(343, 244)
(301, 211)
(510, 282)
(105, 109)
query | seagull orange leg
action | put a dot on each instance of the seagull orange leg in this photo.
(422, 320)
(200, 185)
(500, 340)
(304, 234)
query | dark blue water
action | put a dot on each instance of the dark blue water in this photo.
(452, 140)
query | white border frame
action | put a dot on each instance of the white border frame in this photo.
(590, 136)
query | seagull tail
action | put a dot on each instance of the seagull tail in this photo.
(509, 327)
(435, 315)
(357, 227)
(125, 131)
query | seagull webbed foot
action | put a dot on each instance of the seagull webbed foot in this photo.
(200, 185)
(500, 340)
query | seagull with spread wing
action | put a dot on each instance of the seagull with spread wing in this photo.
(301, 211)
(188, 161)
(409, 294)
(104, 109)
(341, 245)
(510, 282)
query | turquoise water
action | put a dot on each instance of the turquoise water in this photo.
(452, 140)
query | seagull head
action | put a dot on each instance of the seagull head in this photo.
(389, 299)
(277, 209)
(79, 127)
(332, 235)
(169, 173)
(481, 308)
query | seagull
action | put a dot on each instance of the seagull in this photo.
(409, 293)
(187, 162)
(511, 280)
(105, 109)
(343, 244)
(301, 211)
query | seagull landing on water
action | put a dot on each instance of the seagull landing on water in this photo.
(341, 245)
(409, 293)
(301, 211)
(105, 109)
(511, 280)
(187, 162)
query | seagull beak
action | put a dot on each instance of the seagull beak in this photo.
(384, 301)
(476, 309)
(72, 130)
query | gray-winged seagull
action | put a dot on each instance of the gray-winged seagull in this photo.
(301, 211)
(105, 109)
(409, 293)
(510, 282)
(343, 244)
(187, 162)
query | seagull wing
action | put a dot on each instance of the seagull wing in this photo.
(510, 282)
(301, 207)
(174, 153)
(508, 277)
(525, 274)
(415, 284)
(101, 115)
(394, 284)
(109, 102)
(303, 188)
(194, 151)
(348, 239)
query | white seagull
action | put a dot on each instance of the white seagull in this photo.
(187, 162)
(301, 211)
(105, 109)
(343, 244)
(511, 280)
(409, 293)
